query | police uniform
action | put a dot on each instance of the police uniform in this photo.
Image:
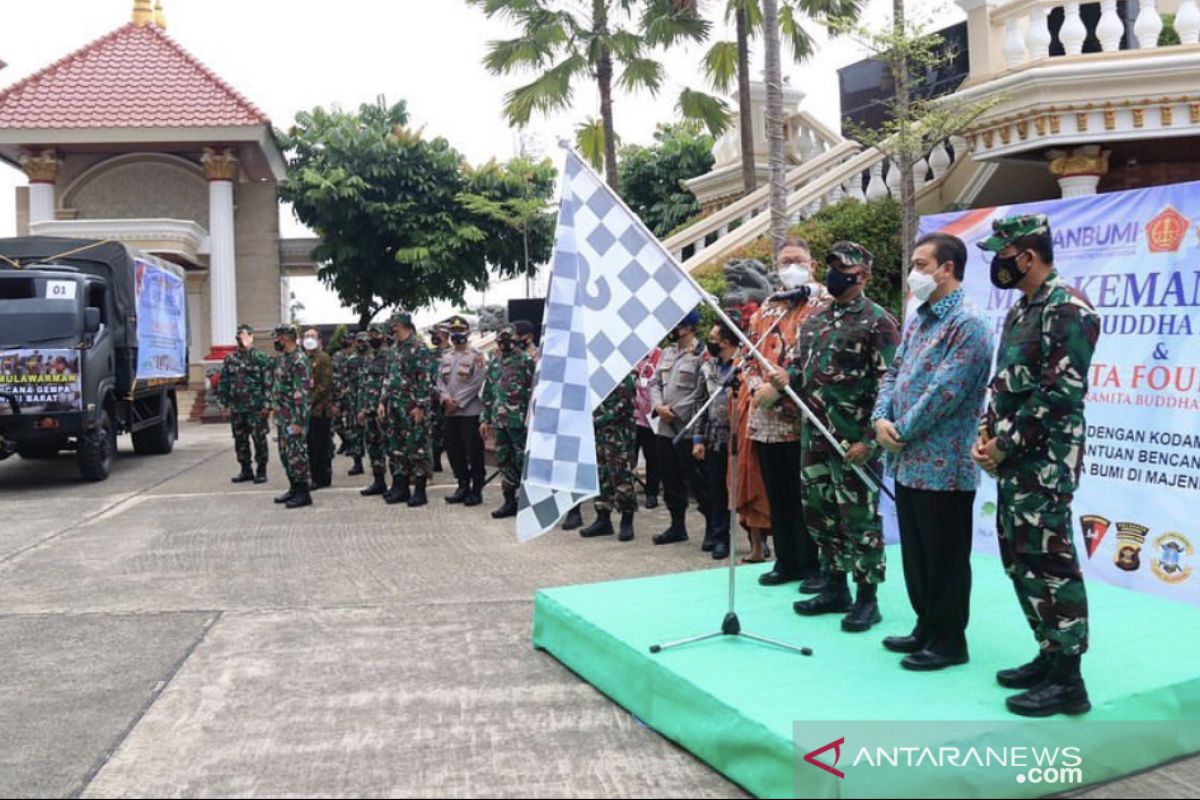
(289, 399)
(374, 371)
(507, 390)
(1036, 419)
(407, 399)
(842, 353)
(243, 388)
(677, 384)
(461, 373)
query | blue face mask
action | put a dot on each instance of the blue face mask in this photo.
(838, 282)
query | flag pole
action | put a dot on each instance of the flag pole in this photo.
(869, 480)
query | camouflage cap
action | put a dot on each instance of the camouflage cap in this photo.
(245, 328)
(287, 329)
(380, 328)
(505, 331)
(1006, 230)
(457, 324)
(362, 336)
(850, 254)
(401, 318)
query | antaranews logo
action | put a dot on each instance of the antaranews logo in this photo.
(836, 747)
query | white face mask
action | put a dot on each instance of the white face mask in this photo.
(793, 276)
(310, 344)
(921, 284)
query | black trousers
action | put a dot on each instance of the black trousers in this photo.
(464, 447)
(681, 473)
(935, 542)
(716, 467)
(320, 450)
(647, 443)
(795, 551)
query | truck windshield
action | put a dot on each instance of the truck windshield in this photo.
(28, 315)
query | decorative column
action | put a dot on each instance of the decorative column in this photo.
(42, 170)
(1079, 169)
(221, 169)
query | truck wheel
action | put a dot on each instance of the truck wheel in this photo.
(97, 448)
(159, 440)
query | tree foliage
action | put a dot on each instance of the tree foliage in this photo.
(652, 177)
(387, 205)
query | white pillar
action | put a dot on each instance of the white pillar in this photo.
(1079, 170)
(221, 169)
(42, 171)
(1079, 185)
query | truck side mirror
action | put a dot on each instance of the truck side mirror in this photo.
(91, 319)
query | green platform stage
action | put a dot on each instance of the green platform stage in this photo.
(739, 706)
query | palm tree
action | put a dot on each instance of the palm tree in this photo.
(728, 62)
(566, 41)
(775, 162)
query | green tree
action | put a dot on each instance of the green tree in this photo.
(385, 202)
(517, 196)
(652, 177)
(568, 42)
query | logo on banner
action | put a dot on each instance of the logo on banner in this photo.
(1165, 233)
(1130, 538)
(1095, 528)
(836, 747)
(1168, 565)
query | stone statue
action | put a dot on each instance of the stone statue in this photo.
(748, 280)
(491, 317)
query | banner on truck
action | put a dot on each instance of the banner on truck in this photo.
(162, 322)
(1136, 256)
(41, 381)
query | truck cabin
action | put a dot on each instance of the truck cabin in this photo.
(50, 305)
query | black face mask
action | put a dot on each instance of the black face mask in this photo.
(363, 347)
(838, 282)
(506, 345)
(714, 349)
(458, 338)
(279, 347)
(435, 340)
(376, 344)
(1005, 272)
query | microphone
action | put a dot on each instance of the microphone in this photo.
(797, 295)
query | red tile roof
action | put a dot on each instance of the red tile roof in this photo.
(135, 77)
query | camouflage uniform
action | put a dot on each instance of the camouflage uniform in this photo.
(346, 397)
(1036, 414)
(370, 392)
(341, 420)
(437, 420)
(842, 353)
(289, 398)
(243, 388)
(408, 387)
(507, 390)
(616, 435)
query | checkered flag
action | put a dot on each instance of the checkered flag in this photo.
(614, 294)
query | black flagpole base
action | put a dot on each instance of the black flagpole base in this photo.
(731, 626)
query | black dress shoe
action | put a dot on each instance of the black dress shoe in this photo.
(720, 551)
(1028, 675)
(473, 499)
(929, 661)
(651, 502)
(903, 644)
(671, 536)
(458, 495)
(776, 578)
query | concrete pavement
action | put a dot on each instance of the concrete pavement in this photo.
(168, 633)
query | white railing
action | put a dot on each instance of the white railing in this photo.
(1024, 28)
(860, 174)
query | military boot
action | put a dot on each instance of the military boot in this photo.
(835, 599)
(865, 611)
(1062, 692)
(509, 509)
(399, 492)
(626, 532)
(357, 469)
(377, 487)
(573, 520)
(677, 532)
(261, 475)
(301, 498)
(474, 493)
(459, 494)
(601, 527)
(1028, 675)
(418, 497)
(288, 495)
(244, 476)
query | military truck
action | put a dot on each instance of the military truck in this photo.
(93, 342)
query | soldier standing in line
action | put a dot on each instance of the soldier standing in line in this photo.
(340, 420)
(289, 399)
(243, 388)
(674, 394)
(460, 379)
(523, 329)
(406, 402)
(842, 353)
(374, 369)
(439, 342)
(1032, 440)
(616, 436)
(506, 395)
(349, 403)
